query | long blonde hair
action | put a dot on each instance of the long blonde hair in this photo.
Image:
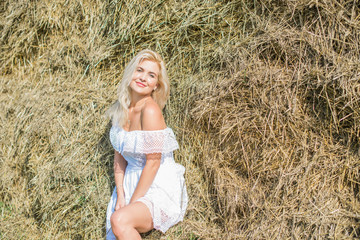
(118, 112)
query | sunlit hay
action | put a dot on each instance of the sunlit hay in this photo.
(278, 126)
(264, 102)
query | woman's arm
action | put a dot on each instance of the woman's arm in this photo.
(119, 171)
(151, 119)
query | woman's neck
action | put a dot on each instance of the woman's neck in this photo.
(137, 101)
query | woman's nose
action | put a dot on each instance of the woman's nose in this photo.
(142, 76)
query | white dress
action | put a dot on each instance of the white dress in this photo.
(167, 197)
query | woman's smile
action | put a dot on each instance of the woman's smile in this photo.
(140, 84)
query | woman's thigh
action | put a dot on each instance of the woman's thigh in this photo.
(137, 215)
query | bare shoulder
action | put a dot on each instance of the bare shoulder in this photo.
(151, 117)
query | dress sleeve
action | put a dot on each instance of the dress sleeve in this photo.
(146, 142)
(116, 138)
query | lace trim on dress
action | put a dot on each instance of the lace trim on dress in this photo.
(143, 142)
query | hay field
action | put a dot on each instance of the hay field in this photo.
(265, 104)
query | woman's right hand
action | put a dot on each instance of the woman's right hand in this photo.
(119, 171)
(120, 202)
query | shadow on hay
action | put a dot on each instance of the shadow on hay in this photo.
(106, 162)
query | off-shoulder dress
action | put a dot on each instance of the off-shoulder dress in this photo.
(167, 196)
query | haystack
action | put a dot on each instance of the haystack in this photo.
(265, 103)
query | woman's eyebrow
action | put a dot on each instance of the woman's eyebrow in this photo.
(153, 73)
(145, 70)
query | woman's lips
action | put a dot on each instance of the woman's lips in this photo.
(140, 84)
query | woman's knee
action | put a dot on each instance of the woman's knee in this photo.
(119, 222)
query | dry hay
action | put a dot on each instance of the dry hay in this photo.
(265, 104)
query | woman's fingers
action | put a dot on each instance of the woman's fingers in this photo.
(120, 203)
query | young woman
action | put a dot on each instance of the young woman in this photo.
(150, 190)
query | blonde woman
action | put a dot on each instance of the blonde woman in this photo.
(150, 190)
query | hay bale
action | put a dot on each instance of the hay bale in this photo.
(265, 104)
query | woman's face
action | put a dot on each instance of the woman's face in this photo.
(145, 78)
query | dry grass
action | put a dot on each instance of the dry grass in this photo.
(265, 104)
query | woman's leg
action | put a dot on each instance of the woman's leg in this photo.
(127, 222)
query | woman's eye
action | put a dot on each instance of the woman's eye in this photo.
(151, 75)
(139, 70)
